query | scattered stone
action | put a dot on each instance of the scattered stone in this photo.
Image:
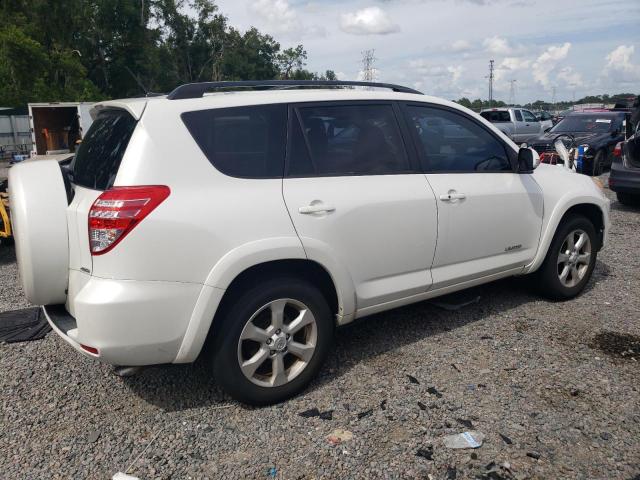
(506, 439)
(339, 436)
(465, 423)
(366, 413)
(470, 439)
(434, 391)
(312, 412)
(422, 406)
(535, 455)
(413, 379)
(93, 436)
(426, 453)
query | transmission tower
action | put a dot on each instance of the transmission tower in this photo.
(512, 92)
(490, 82)
(368, 70)
(553, 97)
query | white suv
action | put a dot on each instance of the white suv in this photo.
(254, 222)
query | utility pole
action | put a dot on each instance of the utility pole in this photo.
(368, 70)
(490, 83)
(553, 97)
(573, 86)
(512, 92)
(142, 13)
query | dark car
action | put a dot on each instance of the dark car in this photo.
(625, 170)
(597, 132)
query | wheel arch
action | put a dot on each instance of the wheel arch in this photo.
(586, 207)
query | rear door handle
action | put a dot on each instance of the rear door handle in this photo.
(316, 208)
(452, 196)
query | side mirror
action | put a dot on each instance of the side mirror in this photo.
(528, 160)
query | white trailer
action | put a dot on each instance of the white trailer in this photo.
(57, 127)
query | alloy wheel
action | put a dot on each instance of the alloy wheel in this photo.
(277, 343)
(574, 258)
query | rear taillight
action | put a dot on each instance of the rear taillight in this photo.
(617, 151)
(117, 211)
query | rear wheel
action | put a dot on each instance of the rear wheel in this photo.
(628, 199)
(570, 260)
(272, 341)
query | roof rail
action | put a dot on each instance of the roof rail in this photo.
(197, 90)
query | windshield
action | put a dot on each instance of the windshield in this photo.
(585, 123)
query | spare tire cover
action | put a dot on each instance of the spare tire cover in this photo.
(38, 203)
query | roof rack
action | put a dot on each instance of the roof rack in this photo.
(197, 90)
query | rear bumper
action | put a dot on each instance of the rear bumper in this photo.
(128, 322)
(623, 179)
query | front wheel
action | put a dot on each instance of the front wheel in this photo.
(570, 259)
(272, 341)
(598, 164)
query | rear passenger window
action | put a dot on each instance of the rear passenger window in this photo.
(346, 140)
(246, 142)
(518, 115)
(454, 143)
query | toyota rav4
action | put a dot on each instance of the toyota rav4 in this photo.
(254, 221)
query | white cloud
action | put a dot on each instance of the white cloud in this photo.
(368, 21)
(547, 62)
(460, 46)
(569, 76)
(497, 45)
(280, 17)
(619, 60)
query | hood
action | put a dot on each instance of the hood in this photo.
(581, 137)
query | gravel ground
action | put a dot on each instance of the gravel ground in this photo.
(532, 376)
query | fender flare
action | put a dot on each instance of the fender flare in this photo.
(564, 204)
(250, 255)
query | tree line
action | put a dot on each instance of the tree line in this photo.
(86, 50)
(478, 104)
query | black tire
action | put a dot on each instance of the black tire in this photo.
(547, 277)
(628, 199)
(598, 164)
(227, 332)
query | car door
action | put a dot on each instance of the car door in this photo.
(358, 201)
(489, 216)
(531, 127)
(519, 128)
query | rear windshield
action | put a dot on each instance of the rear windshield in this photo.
(98, 158)
(499, 116)
(588, 123)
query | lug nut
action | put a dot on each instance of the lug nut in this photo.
(269, 341)
(273, 352)
(288, 336)
(278, 332)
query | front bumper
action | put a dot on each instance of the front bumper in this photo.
(128, 322)
(624, 179)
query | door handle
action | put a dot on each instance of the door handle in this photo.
(316, 208)
(452, 196)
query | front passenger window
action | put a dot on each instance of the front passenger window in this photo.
(452, 142)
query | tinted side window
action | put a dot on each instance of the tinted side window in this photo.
(98, 158)
(244, 142)
(347, 140)
(518, 115)
(496, 116)
(528, 116)
(452, 142)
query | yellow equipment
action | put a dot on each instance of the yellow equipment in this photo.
(5, 222)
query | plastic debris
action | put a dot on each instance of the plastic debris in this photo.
(422, 406)
(413, 379)
(464, 422)
(426, 453)
(486, 337)
(93, 436)
(455, 306)
(506, 439)
(273, 472)
(535, 455)
(456, 367)
(123, 476)
(366, 413)
(312, 412)
(434, 391)
(338, 436)
(328, 415)
(470, 439)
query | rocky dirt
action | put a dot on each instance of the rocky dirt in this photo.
(553, 387)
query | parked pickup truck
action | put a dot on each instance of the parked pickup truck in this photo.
(517, 123)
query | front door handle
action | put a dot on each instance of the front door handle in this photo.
(452, 196)
(316, 208)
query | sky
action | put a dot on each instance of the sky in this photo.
(443, 47)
